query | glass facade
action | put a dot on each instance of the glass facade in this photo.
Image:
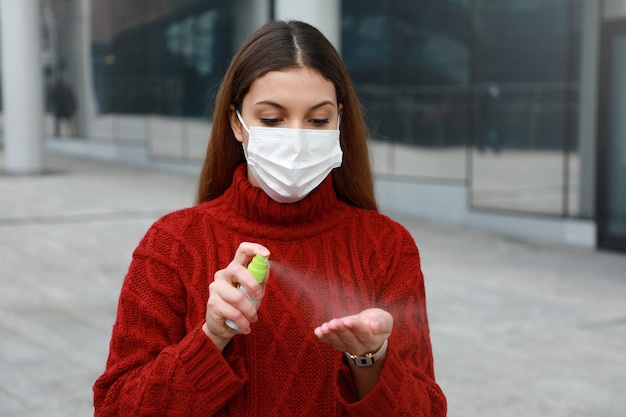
(617, 145)
(159, 57)
(145, 72)
(482, 91)
(410, 61)
(525, 154)
(479, 94)
(612, 155)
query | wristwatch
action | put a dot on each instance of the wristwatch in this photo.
(370, 358)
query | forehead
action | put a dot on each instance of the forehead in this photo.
(291, 87)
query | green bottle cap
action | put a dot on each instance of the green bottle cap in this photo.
(258, 268)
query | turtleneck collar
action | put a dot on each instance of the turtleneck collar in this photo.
(255, 205)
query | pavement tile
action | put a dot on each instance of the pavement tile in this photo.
(518, 328)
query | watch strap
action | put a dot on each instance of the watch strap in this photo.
(369, 358)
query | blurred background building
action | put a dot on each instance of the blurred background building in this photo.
(507, 115)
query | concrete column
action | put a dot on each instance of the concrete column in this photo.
(614, 9)
(22, 86)
(323, 14)
(77, 56)
(249, 16)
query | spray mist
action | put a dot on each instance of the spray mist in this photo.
(258, 269)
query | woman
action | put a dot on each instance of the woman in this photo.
(342, 328)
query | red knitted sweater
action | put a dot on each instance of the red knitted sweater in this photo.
(329, 259)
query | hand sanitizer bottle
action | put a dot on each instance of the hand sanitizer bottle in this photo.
(258, 269)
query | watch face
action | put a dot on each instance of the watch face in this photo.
(363, 361)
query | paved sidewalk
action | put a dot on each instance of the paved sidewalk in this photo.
(518, 329)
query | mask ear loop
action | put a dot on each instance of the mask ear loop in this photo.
(242, 122)
(243, 146)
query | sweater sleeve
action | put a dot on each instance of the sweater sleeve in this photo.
(407, 384)
(158, 364)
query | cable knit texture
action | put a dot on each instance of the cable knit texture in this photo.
(329, 259)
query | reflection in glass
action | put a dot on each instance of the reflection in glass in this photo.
(409, 62)
(500, 78)
(616, 192)
(141, 69)
(161, 62)
(481, 92)
(524, 103)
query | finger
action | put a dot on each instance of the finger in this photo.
(327, 336)
(241, 322)
(219, 311)
(231, 274)
(216, 315)
(336, 326)
(319, 333)
(351, 324)
(353, 332)
(338, 334)
(246, 251)
(243, 256)
(350, 333)
(237, 299)
(227, 302)
(236, 275)
(324, 331)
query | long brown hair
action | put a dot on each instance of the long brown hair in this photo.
(276, 46)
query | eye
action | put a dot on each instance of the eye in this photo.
(270, 122)
(319, 122)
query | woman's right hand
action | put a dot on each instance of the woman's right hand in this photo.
(227, 302)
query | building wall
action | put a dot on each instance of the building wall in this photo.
(520, 160)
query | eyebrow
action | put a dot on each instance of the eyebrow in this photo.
(280, 106)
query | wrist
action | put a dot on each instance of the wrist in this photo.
(219, 342)
(370, 358)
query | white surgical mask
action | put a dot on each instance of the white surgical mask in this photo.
(290, 163)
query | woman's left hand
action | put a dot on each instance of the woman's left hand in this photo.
(358, 334)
